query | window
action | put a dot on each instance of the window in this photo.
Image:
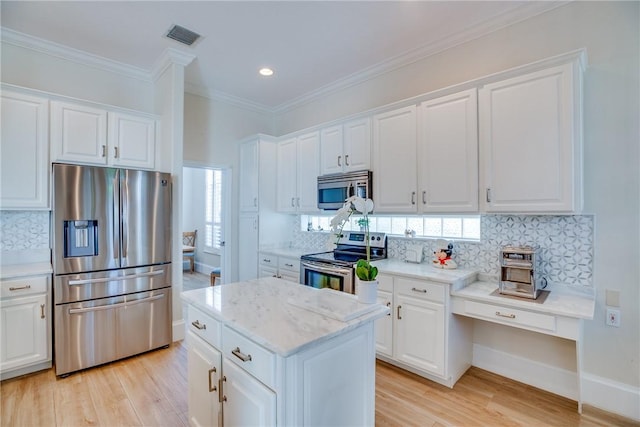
(448, 227)
(213, 209)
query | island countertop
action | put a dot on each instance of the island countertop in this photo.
(282, 316)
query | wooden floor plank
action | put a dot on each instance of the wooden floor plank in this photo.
(151, 390)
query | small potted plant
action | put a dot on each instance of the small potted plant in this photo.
(366, 283)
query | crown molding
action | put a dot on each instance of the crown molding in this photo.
(506, 19)
(169, 57)
(67, 53)
(227, 98)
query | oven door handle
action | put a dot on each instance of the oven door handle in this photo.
(321, 268)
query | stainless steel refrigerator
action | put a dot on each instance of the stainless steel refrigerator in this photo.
(111, 233)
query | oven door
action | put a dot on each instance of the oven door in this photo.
(323, 275)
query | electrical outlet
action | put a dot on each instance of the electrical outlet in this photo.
(613, 317)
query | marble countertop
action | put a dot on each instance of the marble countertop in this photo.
(282, 316)
(22, 270)
(425, 271)
(561, 300)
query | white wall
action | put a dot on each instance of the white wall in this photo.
(609, 31)
(211, 131)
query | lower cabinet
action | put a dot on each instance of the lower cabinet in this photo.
(420, 334)
(246, 401)
(204, 373)
(283, 267)
(25, 325)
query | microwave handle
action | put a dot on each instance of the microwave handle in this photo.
(351, 191)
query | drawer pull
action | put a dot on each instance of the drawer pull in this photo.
(220, 396)
(199, 325)
(510, 316)
(398, 312)
(240, 355)
(288, 265)
(212, 388)
(266, 260)
(19, 288)
(42, 311)
(389, 305)
(424, 291)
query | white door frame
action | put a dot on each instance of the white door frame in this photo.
(227, 248)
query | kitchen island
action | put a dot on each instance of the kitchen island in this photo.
(273, 352)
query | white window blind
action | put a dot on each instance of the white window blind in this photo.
(213, 209)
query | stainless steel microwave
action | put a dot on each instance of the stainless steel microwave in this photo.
(334, 189)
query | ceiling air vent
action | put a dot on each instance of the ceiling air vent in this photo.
(183, 35)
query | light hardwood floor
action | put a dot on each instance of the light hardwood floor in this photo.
(151, 390)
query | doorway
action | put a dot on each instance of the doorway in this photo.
(206, 208)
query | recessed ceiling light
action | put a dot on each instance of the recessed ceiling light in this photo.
(266, 72)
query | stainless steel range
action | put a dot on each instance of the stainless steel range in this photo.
(335, 269)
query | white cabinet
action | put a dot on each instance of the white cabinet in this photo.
(249, 176)
(246, 401)
(448, 153)
(25, 325)
(530, 140)
(297, 176)
(394, 161)
(421, 334)
(346, 147)
(283, 267)
(79, 134)
(248, 246)
(24, 164)
(204, 370)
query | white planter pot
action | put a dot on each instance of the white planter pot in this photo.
(367, 292)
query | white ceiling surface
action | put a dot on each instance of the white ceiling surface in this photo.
(312, 45)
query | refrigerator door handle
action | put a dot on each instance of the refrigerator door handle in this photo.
(116, 215)
(113, 279)
(125, 214)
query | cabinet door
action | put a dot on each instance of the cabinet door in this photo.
(530, 143)
(419, 333)
(249, 176)
(384, 326)
(448, 153)
(394, 151)
(23, 331)
(246, 401)
(132, 140)
(204, 370)
(331, 152)
(357, 145)
(308, 164)
(287, 171)
(24, 164)
(78, 133)
(248, 246)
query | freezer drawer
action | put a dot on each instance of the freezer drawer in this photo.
(94, 332)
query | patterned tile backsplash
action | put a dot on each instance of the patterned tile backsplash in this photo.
(565, 245)
(24, 230)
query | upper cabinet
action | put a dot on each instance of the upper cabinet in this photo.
(297, 175)
(249, 176)
(530, 140)
(346, 147)
(24, 164)
(90, 135)
(394, 161)
(448, 153)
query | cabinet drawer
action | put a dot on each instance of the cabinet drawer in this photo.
(23, 286)
(251, 357)
(385, 283)
(268, 260)
(204, 326)
(511, 316)
(421, 289)
(289, 264)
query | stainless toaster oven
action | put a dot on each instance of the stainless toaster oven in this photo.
(520, 272)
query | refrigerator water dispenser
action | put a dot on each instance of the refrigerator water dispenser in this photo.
(80, 238)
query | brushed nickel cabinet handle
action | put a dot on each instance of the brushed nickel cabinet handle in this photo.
(240, 355)
(488, 195)
(509, 316)
(424, 197)
(220, 396)
(339, 157)
(288, 265)
(104, 151)
(42, 311)
(19, 288)
(255, 202)
(212, 388)
(389, 305)
(346, 160)
(293, 199)
(424, 291)
(199, 325)
(115, 152)
(398, 312)
(266, 260)
(413, 197)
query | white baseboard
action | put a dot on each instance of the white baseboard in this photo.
(611, 396)
(540, 375)
(178, 330)
(601, 393)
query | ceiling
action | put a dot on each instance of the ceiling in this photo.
(313, 46)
